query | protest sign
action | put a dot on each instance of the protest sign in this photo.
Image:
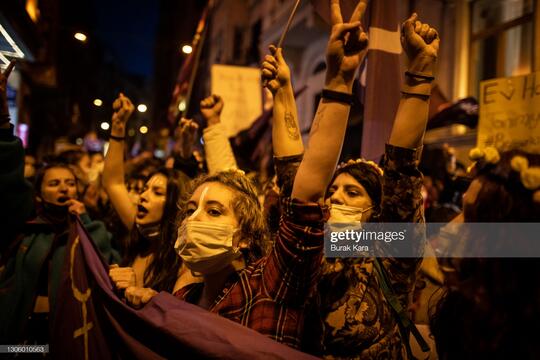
(510, 113)
(240, 88)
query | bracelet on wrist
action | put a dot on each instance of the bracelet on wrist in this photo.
(117, 138)
(341, 97)
(419, 75)
(420, 89)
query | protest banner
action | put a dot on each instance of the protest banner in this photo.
(510, 113)
(240, 88)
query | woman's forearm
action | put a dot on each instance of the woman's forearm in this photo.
(286, 136)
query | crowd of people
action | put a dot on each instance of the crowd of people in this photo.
(205, 232)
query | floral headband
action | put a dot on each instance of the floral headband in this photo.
(529, 175)
(360, 161)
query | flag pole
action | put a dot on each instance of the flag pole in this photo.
(289, 22)
(286, 30)
(198, 44)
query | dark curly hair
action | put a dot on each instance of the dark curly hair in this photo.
(246, 207)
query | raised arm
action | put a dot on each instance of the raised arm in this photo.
(219, 153)
(421, 44)
(15, 192)
(347, 47)
(286, 139)
(113, 171)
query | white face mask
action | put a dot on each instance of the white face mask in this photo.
(206, 247)
(346, 214)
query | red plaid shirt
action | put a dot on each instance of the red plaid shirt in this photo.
(269, 296)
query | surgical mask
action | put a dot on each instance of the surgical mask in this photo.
(346, 214)
(206, 247)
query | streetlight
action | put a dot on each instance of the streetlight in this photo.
(98, 102)
(105, 125)
(182, 105)
(187, 49)
(142, 108)
(143, 129)
(80, 36)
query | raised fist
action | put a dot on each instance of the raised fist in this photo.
(123, 108)
(186, 135)
(418, 39)
(211, 109)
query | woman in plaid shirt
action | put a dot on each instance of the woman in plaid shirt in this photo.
(222, 228)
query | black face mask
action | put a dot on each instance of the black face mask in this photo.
(55, 214)
(150, 231)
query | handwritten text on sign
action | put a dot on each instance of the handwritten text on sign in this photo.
(510, 113)
(240, 88)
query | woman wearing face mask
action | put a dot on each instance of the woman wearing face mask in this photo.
(356, 317)
(31, 262)
(150, 260)
(223, 227)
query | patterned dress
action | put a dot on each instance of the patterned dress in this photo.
(351, 310)
(358, 323)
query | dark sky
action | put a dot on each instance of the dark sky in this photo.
(127, 29)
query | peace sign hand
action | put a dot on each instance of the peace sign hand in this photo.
(346, 48)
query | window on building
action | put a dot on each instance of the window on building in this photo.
(502, 39)
(253, 53)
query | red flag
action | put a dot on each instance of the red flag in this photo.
(184, 81)
(383, 77)
(91, 322)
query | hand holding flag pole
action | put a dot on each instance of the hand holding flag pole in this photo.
(285, 31)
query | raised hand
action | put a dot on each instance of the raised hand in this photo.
(346, 48)
(186, 135)
(211, 109)
(275, 71)
(420, 41)
(123, 108)
(4, 109)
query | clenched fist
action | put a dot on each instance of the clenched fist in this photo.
(123, 277)
(138, 296)
(211, 109)
(421, 44)
(123, 108)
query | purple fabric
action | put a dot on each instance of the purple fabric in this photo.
(164, 328)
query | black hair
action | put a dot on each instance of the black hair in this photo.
(161, 274)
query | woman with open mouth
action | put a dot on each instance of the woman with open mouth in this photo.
(149, 258)
(32, 253)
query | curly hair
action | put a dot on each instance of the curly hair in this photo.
(246, 207)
